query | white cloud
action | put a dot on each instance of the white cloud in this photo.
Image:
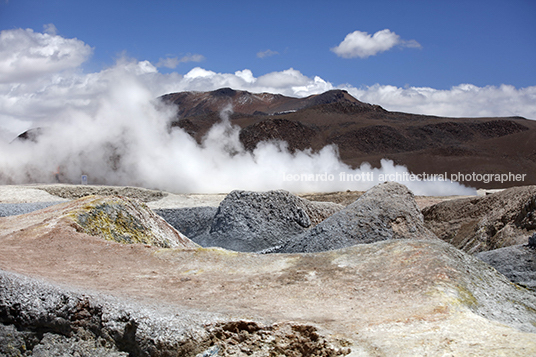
(464, 100)
(283, 79)
(50, 29)
(361, 44)
(173, 62)
(267, 53)
(25, 54)
(246, 75)
(168, 62)
(289, 82)
(410, 44)
(112, 131)
(110, 112)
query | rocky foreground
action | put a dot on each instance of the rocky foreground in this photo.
(106, 276)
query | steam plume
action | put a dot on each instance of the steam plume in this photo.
(123, 138)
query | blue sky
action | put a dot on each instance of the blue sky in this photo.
(477, 42)
(89, 71)
(447, 58)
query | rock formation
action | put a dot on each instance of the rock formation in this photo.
(253, 221)
(112, 218)
(399, 297)
(50, 321)
(66, 292)
(485, 223)
(386, 211)
(516, 262)
(192, 221)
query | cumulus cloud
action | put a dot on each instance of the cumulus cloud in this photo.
(361, 44)
(464, 100)
(120, 136)
(267, 53)
(173, 62)
(25, 54)
(289, 82)
(106, 124)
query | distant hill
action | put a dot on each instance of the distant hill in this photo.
(193, 104)
(366, 132)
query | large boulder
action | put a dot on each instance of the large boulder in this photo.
(125, 220)
(386, 211)
(480, 224)
(254, 221)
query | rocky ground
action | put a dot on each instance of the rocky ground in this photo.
(162, 200)
(68, 288)
(478, 224)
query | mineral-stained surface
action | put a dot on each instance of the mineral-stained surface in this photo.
(66, 292)
(113, 218)
(485, 223)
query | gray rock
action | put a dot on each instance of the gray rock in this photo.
(192, 222)
(44, 320)
(532, 241)
(254, 221)
(485, 223)
(386, 211)
(73, 192)
(14, 342)
(73, 323)
(517, 263)
(14, 209)
(123, 220)
(53, 345)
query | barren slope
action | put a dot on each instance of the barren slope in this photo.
(368, 133)
(395, 297)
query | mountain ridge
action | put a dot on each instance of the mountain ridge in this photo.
(194, 103)
(365, 132)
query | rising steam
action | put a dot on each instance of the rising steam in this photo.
(122, 137)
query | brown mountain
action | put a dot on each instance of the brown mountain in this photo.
(368, 133)
(202, 103)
